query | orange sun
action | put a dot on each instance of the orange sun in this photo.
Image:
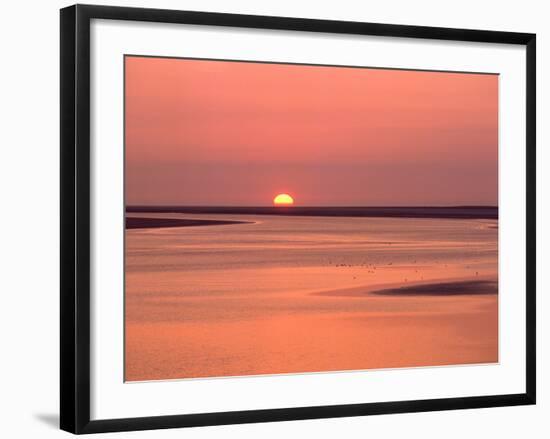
(283, 200)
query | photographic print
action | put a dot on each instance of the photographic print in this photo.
(293, 218)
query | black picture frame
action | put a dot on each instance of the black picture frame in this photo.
(75, 217)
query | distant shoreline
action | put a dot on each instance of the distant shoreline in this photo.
(154, 223)
(454, 212)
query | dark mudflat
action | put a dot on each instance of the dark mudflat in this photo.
(153, 223)
(471, 287)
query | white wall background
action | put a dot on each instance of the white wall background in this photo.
(29, 249)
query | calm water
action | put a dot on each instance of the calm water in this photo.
(298, 294)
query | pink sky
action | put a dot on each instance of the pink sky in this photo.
(234, 133)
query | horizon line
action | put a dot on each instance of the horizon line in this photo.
(431, 206)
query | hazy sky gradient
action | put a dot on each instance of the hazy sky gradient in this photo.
(234, 133)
